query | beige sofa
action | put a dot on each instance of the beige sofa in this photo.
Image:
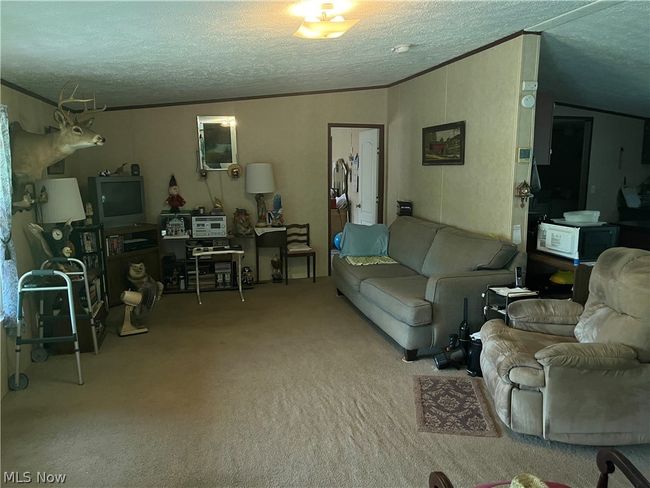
(419, 301)
(577, 375)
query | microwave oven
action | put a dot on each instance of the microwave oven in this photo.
(580, 243)
(209, 226)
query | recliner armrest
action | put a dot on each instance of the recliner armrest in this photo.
(596, 356)
(556, 317)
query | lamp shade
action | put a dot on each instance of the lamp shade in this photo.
(259, 178)
(63, 201)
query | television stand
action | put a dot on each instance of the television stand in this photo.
(135, 243)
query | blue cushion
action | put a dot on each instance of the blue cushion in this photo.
(364, 240)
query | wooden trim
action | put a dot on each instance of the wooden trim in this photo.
(329, 212)
(24, 91)
(240, 99)
(601, 110)
(465, 55)
(381, 206)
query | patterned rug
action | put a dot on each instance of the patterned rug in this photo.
(453, 405)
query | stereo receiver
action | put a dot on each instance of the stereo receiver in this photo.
(208, 226)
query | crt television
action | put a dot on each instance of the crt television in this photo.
(117, 200)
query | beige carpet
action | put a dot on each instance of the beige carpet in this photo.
(291, 388)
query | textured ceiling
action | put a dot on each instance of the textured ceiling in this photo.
(601, 60)
(135, 53)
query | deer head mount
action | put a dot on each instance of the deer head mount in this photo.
(32, 153)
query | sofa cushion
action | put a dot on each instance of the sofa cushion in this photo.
(410, 239)
(403, 298)
(618, 307)
(354, 275)
(512, 352)
(455, 250)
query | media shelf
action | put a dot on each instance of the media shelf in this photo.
(88, 243)
(216, 273)
(137, 243)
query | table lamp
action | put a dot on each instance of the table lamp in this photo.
(259, 180)
(63, 205)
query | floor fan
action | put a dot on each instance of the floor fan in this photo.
(133, 303)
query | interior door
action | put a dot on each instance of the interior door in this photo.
(368, 174)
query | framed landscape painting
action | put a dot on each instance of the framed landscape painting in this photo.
(443, 144)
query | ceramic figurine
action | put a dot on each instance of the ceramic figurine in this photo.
(243, 226)
(247, 276)
(276, 219)
(276, 273)
(174, 200)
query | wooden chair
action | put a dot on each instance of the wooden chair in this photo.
(299, 245)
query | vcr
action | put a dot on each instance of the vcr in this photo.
(137, 244)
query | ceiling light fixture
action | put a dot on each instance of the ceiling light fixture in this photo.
(323, 20)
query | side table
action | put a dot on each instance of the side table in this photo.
(270, 237)
(496, 300)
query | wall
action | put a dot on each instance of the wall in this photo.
(609, 134)
(289, 132)
(34, 116)
(483, 90)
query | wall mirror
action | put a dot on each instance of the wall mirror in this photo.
(217, 142)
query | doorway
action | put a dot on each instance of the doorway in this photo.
(355, 184)
(564, 181)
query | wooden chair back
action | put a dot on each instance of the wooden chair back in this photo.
(298, 234)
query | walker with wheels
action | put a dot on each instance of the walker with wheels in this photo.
(44, 280)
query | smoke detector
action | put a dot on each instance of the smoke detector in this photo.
(400, 48)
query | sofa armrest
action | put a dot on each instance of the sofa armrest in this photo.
(556, 317)
(590, 356)
(446, 293)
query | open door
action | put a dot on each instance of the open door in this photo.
(355, 183)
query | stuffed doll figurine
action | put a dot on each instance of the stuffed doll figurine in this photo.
(174, 200)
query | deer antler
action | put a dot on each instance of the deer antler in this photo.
(94, 109)
(72, 99)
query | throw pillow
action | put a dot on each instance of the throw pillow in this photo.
(364, 240)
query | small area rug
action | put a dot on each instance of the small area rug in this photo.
(453, 405)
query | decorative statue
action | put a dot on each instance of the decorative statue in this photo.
(234, 171)
(276, 273)
(174, 200)
(276, 219)
(217, 207)
(242, 221)
(140, 279)
(32, 153)
(247, 276)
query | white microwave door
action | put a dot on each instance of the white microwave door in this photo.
(562, 241)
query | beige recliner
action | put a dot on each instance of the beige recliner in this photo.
(577, 375)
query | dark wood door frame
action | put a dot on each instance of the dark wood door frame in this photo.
(380, 176)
